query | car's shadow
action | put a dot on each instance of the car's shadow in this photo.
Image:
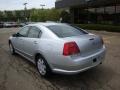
(92, 79)
(88, 80)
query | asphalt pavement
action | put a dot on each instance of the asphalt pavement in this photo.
(16, 73)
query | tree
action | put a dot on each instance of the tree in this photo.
(35, 15)
(9, 15)
(1, 16)
(41, 15)
(65, 17)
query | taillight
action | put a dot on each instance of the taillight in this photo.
(70, 48)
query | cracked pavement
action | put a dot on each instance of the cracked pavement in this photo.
(16, 73)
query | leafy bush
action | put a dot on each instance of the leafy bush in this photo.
(110, 28)
(41, 15)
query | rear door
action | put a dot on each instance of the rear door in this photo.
(31, 43)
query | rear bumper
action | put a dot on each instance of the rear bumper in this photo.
(82, 64)
(72, 72)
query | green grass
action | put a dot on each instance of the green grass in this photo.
(100, 27)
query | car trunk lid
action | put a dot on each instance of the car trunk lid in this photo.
(88, 44)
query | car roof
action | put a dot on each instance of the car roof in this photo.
(45, 24)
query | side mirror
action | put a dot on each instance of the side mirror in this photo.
(16, 35)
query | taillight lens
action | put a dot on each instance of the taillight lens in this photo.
(70, 48)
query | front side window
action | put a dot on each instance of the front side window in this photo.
(34, 32)
(23, 32)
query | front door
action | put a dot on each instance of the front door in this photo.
(19, 40)
(31, 43)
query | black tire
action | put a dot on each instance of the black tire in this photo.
(47, 69)
(11, 48)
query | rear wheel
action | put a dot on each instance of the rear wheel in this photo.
(43, 67)
(11, 48)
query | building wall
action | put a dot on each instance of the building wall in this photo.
(92, 11)
(108, 9)
(109, 14)
(85, 3)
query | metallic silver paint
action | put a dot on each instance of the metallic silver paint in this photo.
(51, 47)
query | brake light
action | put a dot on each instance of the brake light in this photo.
(70, 48)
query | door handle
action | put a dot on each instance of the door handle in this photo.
(91, 39)
(35, 42)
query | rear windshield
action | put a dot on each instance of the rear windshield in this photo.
(66, 30)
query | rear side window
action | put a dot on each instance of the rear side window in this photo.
(34, 32)
(66, 30)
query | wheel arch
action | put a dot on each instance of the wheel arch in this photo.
(36, 56)
(39, 54)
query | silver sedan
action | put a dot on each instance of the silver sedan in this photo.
(58, 48)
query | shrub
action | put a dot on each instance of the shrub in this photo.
(110, 28)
